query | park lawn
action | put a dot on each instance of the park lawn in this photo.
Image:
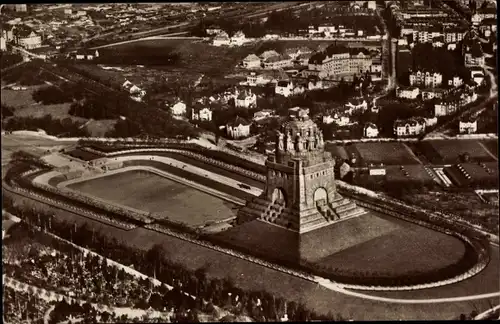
(250, 276)
(152, 193)
(408, 248)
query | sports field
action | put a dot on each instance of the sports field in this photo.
(155, 194)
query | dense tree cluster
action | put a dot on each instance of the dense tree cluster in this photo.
(136, 118)
(439, 59)
(7, 111)
(7, 59)
(57, 127)
(56, 94)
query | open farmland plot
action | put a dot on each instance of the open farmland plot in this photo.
(449, 151)
(155, 194)
(247, 275)
(385, 153)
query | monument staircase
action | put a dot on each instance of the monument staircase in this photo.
(346, 208)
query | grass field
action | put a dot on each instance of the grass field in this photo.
(25, 106)
(247, 275)
(449, 151)
(152, 193)
(408, 248)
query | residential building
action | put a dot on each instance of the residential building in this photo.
(338, 119)
(252, 61)
(333, 61)
(297, 51)
(263, 114)
(238, 39)
(340, 60)
(238, 128)
(84, 54)
(26, 37)
(245, 99)
(277, 62)
(213, 30)
(477, 75)
(356, 104)
(267, 54)
(201, 114)
(178, 109)
(429, 94)
(407, 92)
(255, 80)
(370, 130)
(3, 42)
(451, 104)
(438, 41)
(409, 127)
(473, 53)
(284, 88)
(456, 82)
(430, 121)
(467, 126)
(221, 39)
(303, 59)
(428, 79)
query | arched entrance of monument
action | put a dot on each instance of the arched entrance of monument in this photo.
(320, 196)
(279, 196)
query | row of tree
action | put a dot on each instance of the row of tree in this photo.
(260, 305)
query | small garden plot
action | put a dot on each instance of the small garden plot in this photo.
(408, 173)
(449, 151)
(385, 153)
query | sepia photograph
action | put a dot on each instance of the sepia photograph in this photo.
(249, 161)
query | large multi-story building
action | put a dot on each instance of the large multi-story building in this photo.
(340, 60)
(427, 79)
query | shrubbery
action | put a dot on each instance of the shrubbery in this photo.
(66, 92)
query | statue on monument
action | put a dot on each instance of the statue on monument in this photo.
(321, 143)
(311, 142)
(289, 143)
(280, 141)
(299, 142)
